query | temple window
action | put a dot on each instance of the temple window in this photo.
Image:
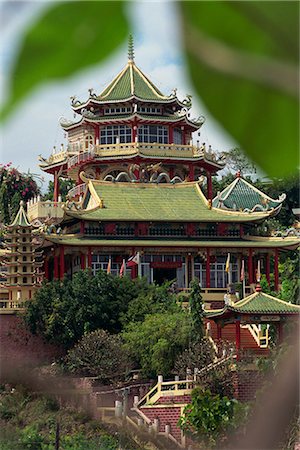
(24, 258)
(118, 110)
(149, 110)
(153, 133)
(24, 249)
(177, 136)
(115, 133)
(24, 280)
(89, 140)
(24, 268)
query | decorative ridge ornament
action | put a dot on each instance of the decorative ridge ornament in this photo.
(130, 49)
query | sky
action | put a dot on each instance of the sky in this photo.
(34, 127)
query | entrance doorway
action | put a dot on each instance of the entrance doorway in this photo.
(161, 275)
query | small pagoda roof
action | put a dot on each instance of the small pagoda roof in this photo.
(179, 202)
(241, 195)
(21, 218)
(256, 303)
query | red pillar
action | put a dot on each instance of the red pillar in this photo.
(219, 331)
(46, 268)
(238, 338)
(62, 261)
(89, 257)
(268, 268)
(209, 185)
(56, 272)
(208, 267)
(250, 265)
(276, 273)
(191, 172)
(82, 261)
(56, 187)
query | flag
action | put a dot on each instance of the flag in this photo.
(242, 277)
(227, 267)
(108, 270)
(258, 271)
(123, 269)
(134, 260)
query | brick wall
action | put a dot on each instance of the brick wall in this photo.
(166, 416)
(18, 347)
(174, 399)
(246, 384)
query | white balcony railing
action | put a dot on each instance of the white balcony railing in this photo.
(41, 210)
(76, 191)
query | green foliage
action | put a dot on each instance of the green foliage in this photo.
(155, 343)
(98, 354)
(196, 310)
(64, 187)
(62, 311)
(244, 55)
(68, 37)
(237, 161)
(151, 299)
(14, 187)
(207, 416)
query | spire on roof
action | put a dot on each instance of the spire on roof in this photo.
(21, 218)
(130, 49)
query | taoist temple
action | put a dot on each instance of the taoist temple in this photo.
(142, 186)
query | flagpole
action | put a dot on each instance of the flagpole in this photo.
(139, 266)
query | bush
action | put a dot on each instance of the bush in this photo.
(155, 343)
(98, 354)
(198, 355)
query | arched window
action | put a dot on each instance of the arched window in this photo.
(24, 249)
(153, 133)
(24, 268)
(24, 258)
(24, 280)
(115, 133)
(89, 140)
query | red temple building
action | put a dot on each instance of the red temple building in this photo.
(142, 186)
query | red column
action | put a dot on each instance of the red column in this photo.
(82, 260)
(191, 172)
(250, 265)
(208, 267)
(56, 187)
(56, 272)
(276, 273)
(89, 257)
(171, 138)
(219, 331)
(237, 338)
(46, 268)
(62, 261)
(268, 268)
(209, 185)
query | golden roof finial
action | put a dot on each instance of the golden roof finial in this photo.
(130, 49)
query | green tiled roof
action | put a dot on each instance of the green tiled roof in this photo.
(182, 202)
(241, 195)
(75, 240)
(131, 82)
(21, 218)
(257, 303)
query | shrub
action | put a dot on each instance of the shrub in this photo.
(98, 354)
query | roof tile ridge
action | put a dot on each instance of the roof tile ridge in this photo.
(261, 192)
(114, 82)
(132, 86)
(149, 83)
(230, 188)
(280, 300)
(246, 300)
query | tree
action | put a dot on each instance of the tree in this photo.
(196, 310)
(64, 187)
(207, 416)
(62, 311)
(98, 354)
(238, 162)
(198, 355)
(155, 343)
(14, 187)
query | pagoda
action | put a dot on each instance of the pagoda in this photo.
(22, 260)
(142, 186)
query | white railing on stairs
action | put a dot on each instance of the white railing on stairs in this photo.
(260, 336)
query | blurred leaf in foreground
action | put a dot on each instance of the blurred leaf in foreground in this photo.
(242, 57)
(67, 38)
